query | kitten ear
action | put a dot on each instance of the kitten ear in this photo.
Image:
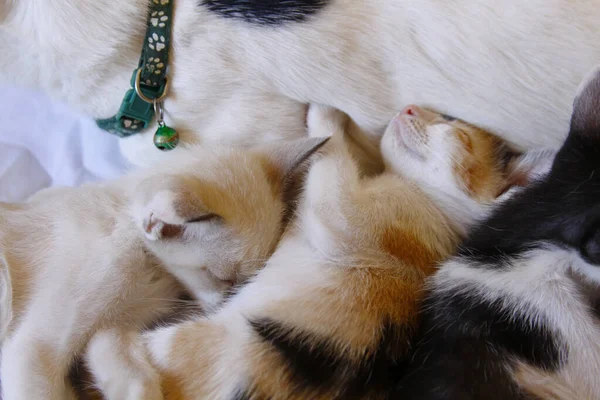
(523, 168)
(526, 167)
(287, 156)
(585, 120)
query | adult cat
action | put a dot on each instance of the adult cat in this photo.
(73, 261)
(515, 314)
(332, 313)
(509, 67)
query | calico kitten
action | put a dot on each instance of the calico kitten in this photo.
(76, 260)
(333, 312)
(515, 314)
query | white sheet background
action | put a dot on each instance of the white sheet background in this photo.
(44, 143)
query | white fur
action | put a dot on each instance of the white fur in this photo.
(591, 76)
(512, 67)
(144, 384)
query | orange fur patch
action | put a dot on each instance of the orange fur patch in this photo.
(478, 168)
(171, 387)
(406, 246)
(196, 347)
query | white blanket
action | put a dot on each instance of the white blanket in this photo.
(43, 143)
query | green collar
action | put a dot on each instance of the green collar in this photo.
(149, 82)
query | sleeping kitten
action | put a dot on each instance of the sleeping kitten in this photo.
(73, 261)
(515, 314)
(333, 312)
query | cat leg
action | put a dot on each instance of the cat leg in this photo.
(202, 359)
(32, 369)
(323, 121)
(332, 188)
(121, 366)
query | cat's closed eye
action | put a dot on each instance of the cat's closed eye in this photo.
(448, 117)
(203, 218)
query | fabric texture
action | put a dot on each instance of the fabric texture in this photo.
(44, 143)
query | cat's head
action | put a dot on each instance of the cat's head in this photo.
(216, 216)
(463, 167)
(563, 208)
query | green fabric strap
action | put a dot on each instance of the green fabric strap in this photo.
(135, 113)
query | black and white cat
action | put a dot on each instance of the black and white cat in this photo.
(514, 315)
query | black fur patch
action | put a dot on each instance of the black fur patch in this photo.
(311, 359)
(467, 345)
(318, 368)
(473, 317)
(266, 12)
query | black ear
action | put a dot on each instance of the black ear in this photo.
(585, 120)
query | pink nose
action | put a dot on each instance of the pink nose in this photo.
(411, 109)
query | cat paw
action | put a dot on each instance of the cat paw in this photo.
(324, 121)
(160, 218)
(121, 367)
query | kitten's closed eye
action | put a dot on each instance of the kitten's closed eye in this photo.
(448, 117)
(205, 217)
(465, 139)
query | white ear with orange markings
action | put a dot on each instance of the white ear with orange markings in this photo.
(525, 168)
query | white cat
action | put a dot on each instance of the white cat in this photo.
(332, 314)
(510, 67)
(73, 261)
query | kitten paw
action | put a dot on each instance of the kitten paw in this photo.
(160, 218)
(121, 366)
(324, 121)
(153, 227)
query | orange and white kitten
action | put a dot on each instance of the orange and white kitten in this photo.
(333, 312)
(77, 260)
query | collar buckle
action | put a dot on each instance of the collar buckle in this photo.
(149, 82)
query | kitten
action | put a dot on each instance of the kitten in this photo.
(515, 314)
(73, 261)
(333, 312)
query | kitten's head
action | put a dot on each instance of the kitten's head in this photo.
(216, 217)
(563, 208)
(462, 166)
